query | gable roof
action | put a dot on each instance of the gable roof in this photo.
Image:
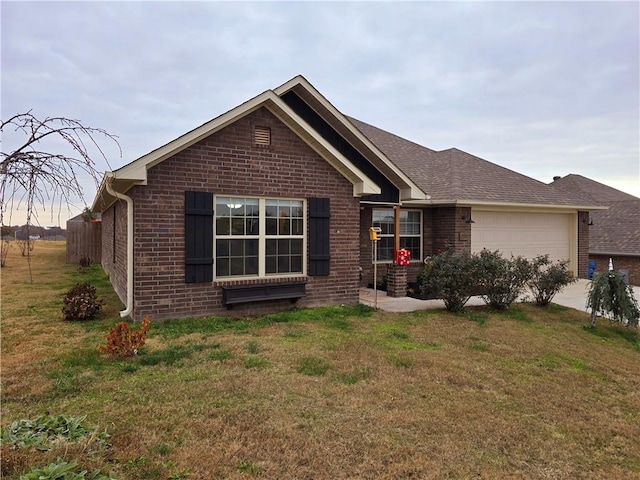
(615, 231)
(135, 173)
(455, 177)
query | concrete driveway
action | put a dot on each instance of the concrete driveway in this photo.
(573, 296)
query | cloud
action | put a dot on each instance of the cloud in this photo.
(529, 85)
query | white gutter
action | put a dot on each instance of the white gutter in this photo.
(129, 308)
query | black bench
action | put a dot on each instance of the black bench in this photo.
(235, 294)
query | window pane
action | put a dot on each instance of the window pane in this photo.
(252, 226)
(221, 207)
(296, 226)
(285, 226)
(222, 248)
(251, 248)
(296, 247)
(272, 247)
(283, 264)
(385, 248)
(237, 248)
(222, 267)
(413, 245)
(270, 264)
(296, 263)
(237, 226)
(272, 226)
(271, 208)
(237, 266)
(223, 226)
(283, 247)
(251, 266)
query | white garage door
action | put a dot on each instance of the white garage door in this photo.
(526, 234)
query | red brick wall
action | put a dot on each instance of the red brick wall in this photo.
(631, 263)
(114, 255)
(450, 230)
(227, 163)
(583, 244)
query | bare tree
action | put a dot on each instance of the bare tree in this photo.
(33, 177)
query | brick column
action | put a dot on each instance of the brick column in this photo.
(396, 281)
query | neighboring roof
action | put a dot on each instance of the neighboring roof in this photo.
(456, 177)
(615, 231)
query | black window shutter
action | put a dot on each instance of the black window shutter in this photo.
(198, 236)
(319, 245)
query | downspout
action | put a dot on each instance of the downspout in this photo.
(129, 308)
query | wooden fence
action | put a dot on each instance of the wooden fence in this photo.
(84, 240)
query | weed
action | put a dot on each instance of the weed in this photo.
(162, 449)
(399, 334)
(252, 347)
(255, 362)
(44, 431)
(354, 376)
(398, 361)
(168, 356)
(480, 346)
(249, 467)
(339, 324)
(477, 316)
(220, 355)
(62, 470)
(313, 366)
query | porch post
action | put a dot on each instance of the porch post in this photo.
(396, 274)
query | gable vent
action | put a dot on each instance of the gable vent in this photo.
(262, 136)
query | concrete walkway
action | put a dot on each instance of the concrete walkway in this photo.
(573, 296)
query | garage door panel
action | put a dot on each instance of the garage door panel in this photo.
(526, 234)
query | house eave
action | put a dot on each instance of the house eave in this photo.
(614, 253)
(498, 205)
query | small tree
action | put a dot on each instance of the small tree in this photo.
(546, 278)
(451, 277)
(502, 280)
(609, 296)
(34, 176)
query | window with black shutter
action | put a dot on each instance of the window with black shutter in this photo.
(319, 245)
(198, 233)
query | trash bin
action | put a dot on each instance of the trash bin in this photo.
(591, 270)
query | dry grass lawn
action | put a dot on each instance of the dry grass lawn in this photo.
(331, 393)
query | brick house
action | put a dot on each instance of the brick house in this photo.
(615, 232)
(270, 204)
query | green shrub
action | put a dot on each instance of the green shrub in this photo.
(81, 303)
(42, 432)
(502, 280)
(611, 297)
(62, 471)
(546, 278)
(451, 277)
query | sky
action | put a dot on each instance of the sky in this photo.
(542, 88)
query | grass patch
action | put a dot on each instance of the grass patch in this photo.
(322, 393)
(515, 313)
(354, 376)
(399, 361)
(255, 362)
(313, 366)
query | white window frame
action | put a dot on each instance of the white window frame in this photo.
(391, 235)
(262, 238)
